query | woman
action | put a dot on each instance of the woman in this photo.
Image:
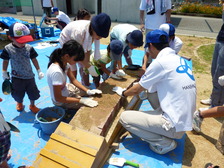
(86, 32)
(68, 95)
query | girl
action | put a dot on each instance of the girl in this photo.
(86, 32)
(68, 95)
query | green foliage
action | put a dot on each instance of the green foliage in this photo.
(199, 8)
(205, 54)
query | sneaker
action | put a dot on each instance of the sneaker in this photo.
(34, 109)
(197, 120)
(163, 150)
(19, 107)
(206, 102)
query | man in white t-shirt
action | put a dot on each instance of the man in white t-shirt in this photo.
(61, 18)
(171, 92)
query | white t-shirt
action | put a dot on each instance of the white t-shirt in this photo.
(120, 31)
(56, 76)
(176, 44)
(63, 17)
(47, 3)
(153, 21)
(172, 78)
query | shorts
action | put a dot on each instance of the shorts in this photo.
(22, 86)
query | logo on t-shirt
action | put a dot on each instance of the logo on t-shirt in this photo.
(185, 68)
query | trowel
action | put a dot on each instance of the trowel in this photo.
(121, 162)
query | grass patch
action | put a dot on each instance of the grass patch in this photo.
(205, 54)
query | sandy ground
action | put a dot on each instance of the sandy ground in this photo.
(199, 148)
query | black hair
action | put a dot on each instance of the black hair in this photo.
(72, 48)
(126, 40)
(163, 43)
(82, 13)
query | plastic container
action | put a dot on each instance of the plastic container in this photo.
(49, 118)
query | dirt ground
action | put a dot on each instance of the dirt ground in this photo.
(199, 148)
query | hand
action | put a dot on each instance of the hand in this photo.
(93, 71)
(221, 80)
(88, 101)
(120, 72)
(114, 76)
(5, 75)
(93, 92)
(40, 74)
(119, 90)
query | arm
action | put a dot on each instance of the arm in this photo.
(168, 16)
(142, 25)
(59, 98)
(104, 69)
(134, 90)
(74, 81)
(5, 65)
(85, 62)
(52, 4)
(36, 64)
(145, 60)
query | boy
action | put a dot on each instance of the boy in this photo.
(111, 54)
(19, 53)
(61, 18)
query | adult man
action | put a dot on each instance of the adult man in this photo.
(46, 6)
(217, 71)
(157, 13)
(171, 92)
(61, 18)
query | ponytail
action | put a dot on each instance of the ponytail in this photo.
(72, 48)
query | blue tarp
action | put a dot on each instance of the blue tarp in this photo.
(10, 20)
(27, 144)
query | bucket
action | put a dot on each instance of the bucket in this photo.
(49, 118)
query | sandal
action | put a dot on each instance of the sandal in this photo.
(210, 165)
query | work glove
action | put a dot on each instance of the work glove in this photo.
(5, 75)
(40, 74)
(120, 72)
(221, 80)
(119, 90)
(93, 71)
(114, 76)
(88, 101)
(93, 92)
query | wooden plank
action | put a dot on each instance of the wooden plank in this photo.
(99, 119)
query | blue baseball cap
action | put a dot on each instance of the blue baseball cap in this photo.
(101, 24)
(116, 48)
(54, 9)
(154, 37)
(168, 28)
(135, 38)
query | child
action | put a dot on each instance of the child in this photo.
(19, 53)
(83, 14)
(61, 18)
(111, 54)
(68, 95)
(86, 32)
(131, 38)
